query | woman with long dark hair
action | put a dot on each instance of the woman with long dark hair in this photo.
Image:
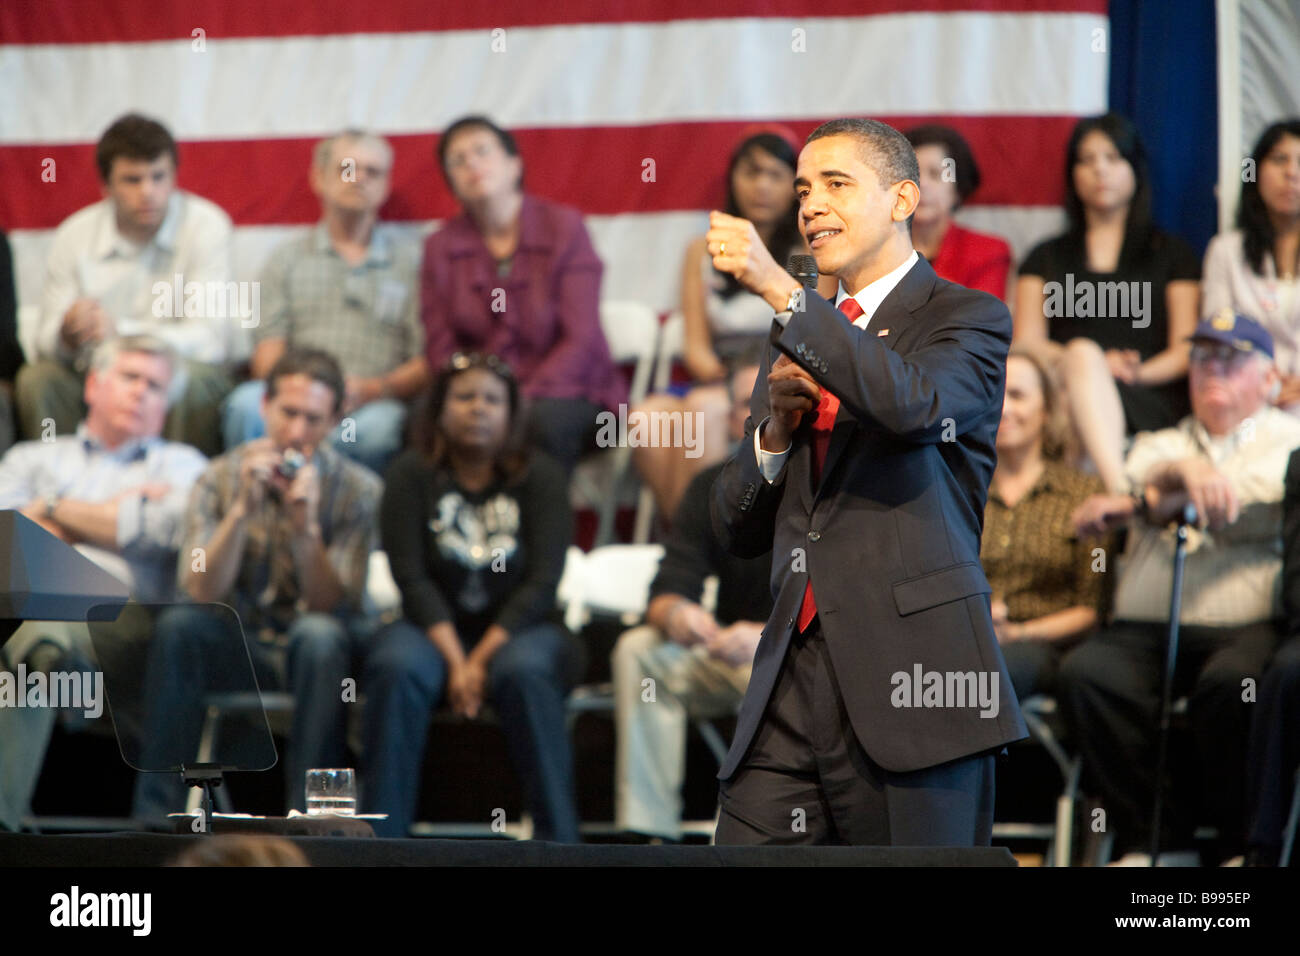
(722, 323)
(476, 530)
(1254, 270)
(1113, 299)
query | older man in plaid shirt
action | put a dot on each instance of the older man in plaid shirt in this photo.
(348, 287)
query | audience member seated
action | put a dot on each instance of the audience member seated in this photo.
(516, 276)
(1115, 296)
(476, 529)
(111, 270)
(699, 660)
(1274, 754)
(721, 321)
(289, 551)
(349, 288)
(1255, 269)
(949, 175)
(1048, 585)
(11, 353)
(1228, 459)
(117, 492)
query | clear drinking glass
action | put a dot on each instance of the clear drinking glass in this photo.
(332, 790)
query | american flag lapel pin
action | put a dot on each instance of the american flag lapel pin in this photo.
(882, 333)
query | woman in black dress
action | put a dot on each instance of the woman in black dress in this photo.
(476, 530)
(1113, 299)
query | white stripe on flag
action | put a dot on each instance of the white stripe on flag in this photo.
(572, 75)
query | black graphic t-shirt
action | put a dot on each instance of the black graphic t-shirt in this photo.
(475, 558)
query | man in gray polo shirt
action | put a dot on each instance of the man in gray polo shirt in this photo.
(348, 288)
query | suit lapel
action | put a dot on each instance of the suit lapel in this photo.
(894, 315)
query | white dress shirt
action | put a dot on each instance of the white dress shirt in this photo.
(81, 468)
(771, 463)
(90, 258)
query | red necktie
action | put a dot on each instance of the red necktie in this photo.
(827, 409)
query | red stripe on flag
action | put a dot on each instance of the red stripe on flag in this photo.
(601, 170)
(129, 21)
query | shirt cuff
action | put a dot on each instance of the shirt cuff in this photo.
(770, 463)
(783, 317)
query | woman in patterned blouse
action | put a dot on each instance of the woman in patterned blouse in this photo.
(1048, 585)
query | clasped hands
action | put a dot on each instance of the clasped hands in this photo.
(690, 625)
(466, 685)
(85, 323)
(1192, 480)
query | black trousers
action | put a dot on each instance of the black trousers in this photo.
(1033, 666)
(1109, 687)
(807, 780)
(564, 428)
(1274, 751)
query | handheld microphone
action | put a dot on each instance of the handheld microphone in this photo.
(803, 268)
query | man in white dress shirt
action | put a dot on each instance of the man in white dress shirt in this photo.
(146, 259)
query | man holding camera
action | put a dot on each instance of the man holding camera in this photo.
(281, 529)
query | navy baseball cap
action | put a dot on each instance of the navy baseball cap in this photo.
(1232, 328)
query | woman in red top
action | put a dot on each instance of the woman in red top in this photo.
(948, 177)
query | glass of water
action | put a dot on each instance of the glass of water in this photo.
(332, 791)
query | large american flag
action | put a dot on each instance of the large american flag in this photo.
(626, 110)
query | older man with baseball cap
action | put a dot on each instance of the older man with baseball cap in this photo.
(1229, 459)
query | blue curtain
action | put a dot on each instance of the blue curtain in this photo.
(1163, 77)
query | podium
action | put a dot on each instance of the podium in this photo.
(45, 579)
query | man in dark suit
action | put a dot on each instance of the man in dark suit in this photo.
(878, 694)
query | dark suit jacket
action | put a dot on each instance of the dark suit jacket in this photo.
(891, 536)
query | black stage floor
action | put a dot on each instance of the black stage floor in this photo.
(147, 849)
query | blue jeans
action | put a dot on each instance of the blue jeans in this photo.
(528, 680)
(373, 437)
(196, 651)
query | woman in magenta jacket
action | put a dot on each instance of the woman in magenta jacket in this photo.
(516, 276)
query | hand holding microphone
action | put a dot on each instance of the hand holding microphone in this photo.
(791, 393)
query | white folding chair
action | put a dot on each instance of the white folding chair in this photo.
(383, 599)
(612, 581)
(672, 341)
(632, 332)
(671, 338)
